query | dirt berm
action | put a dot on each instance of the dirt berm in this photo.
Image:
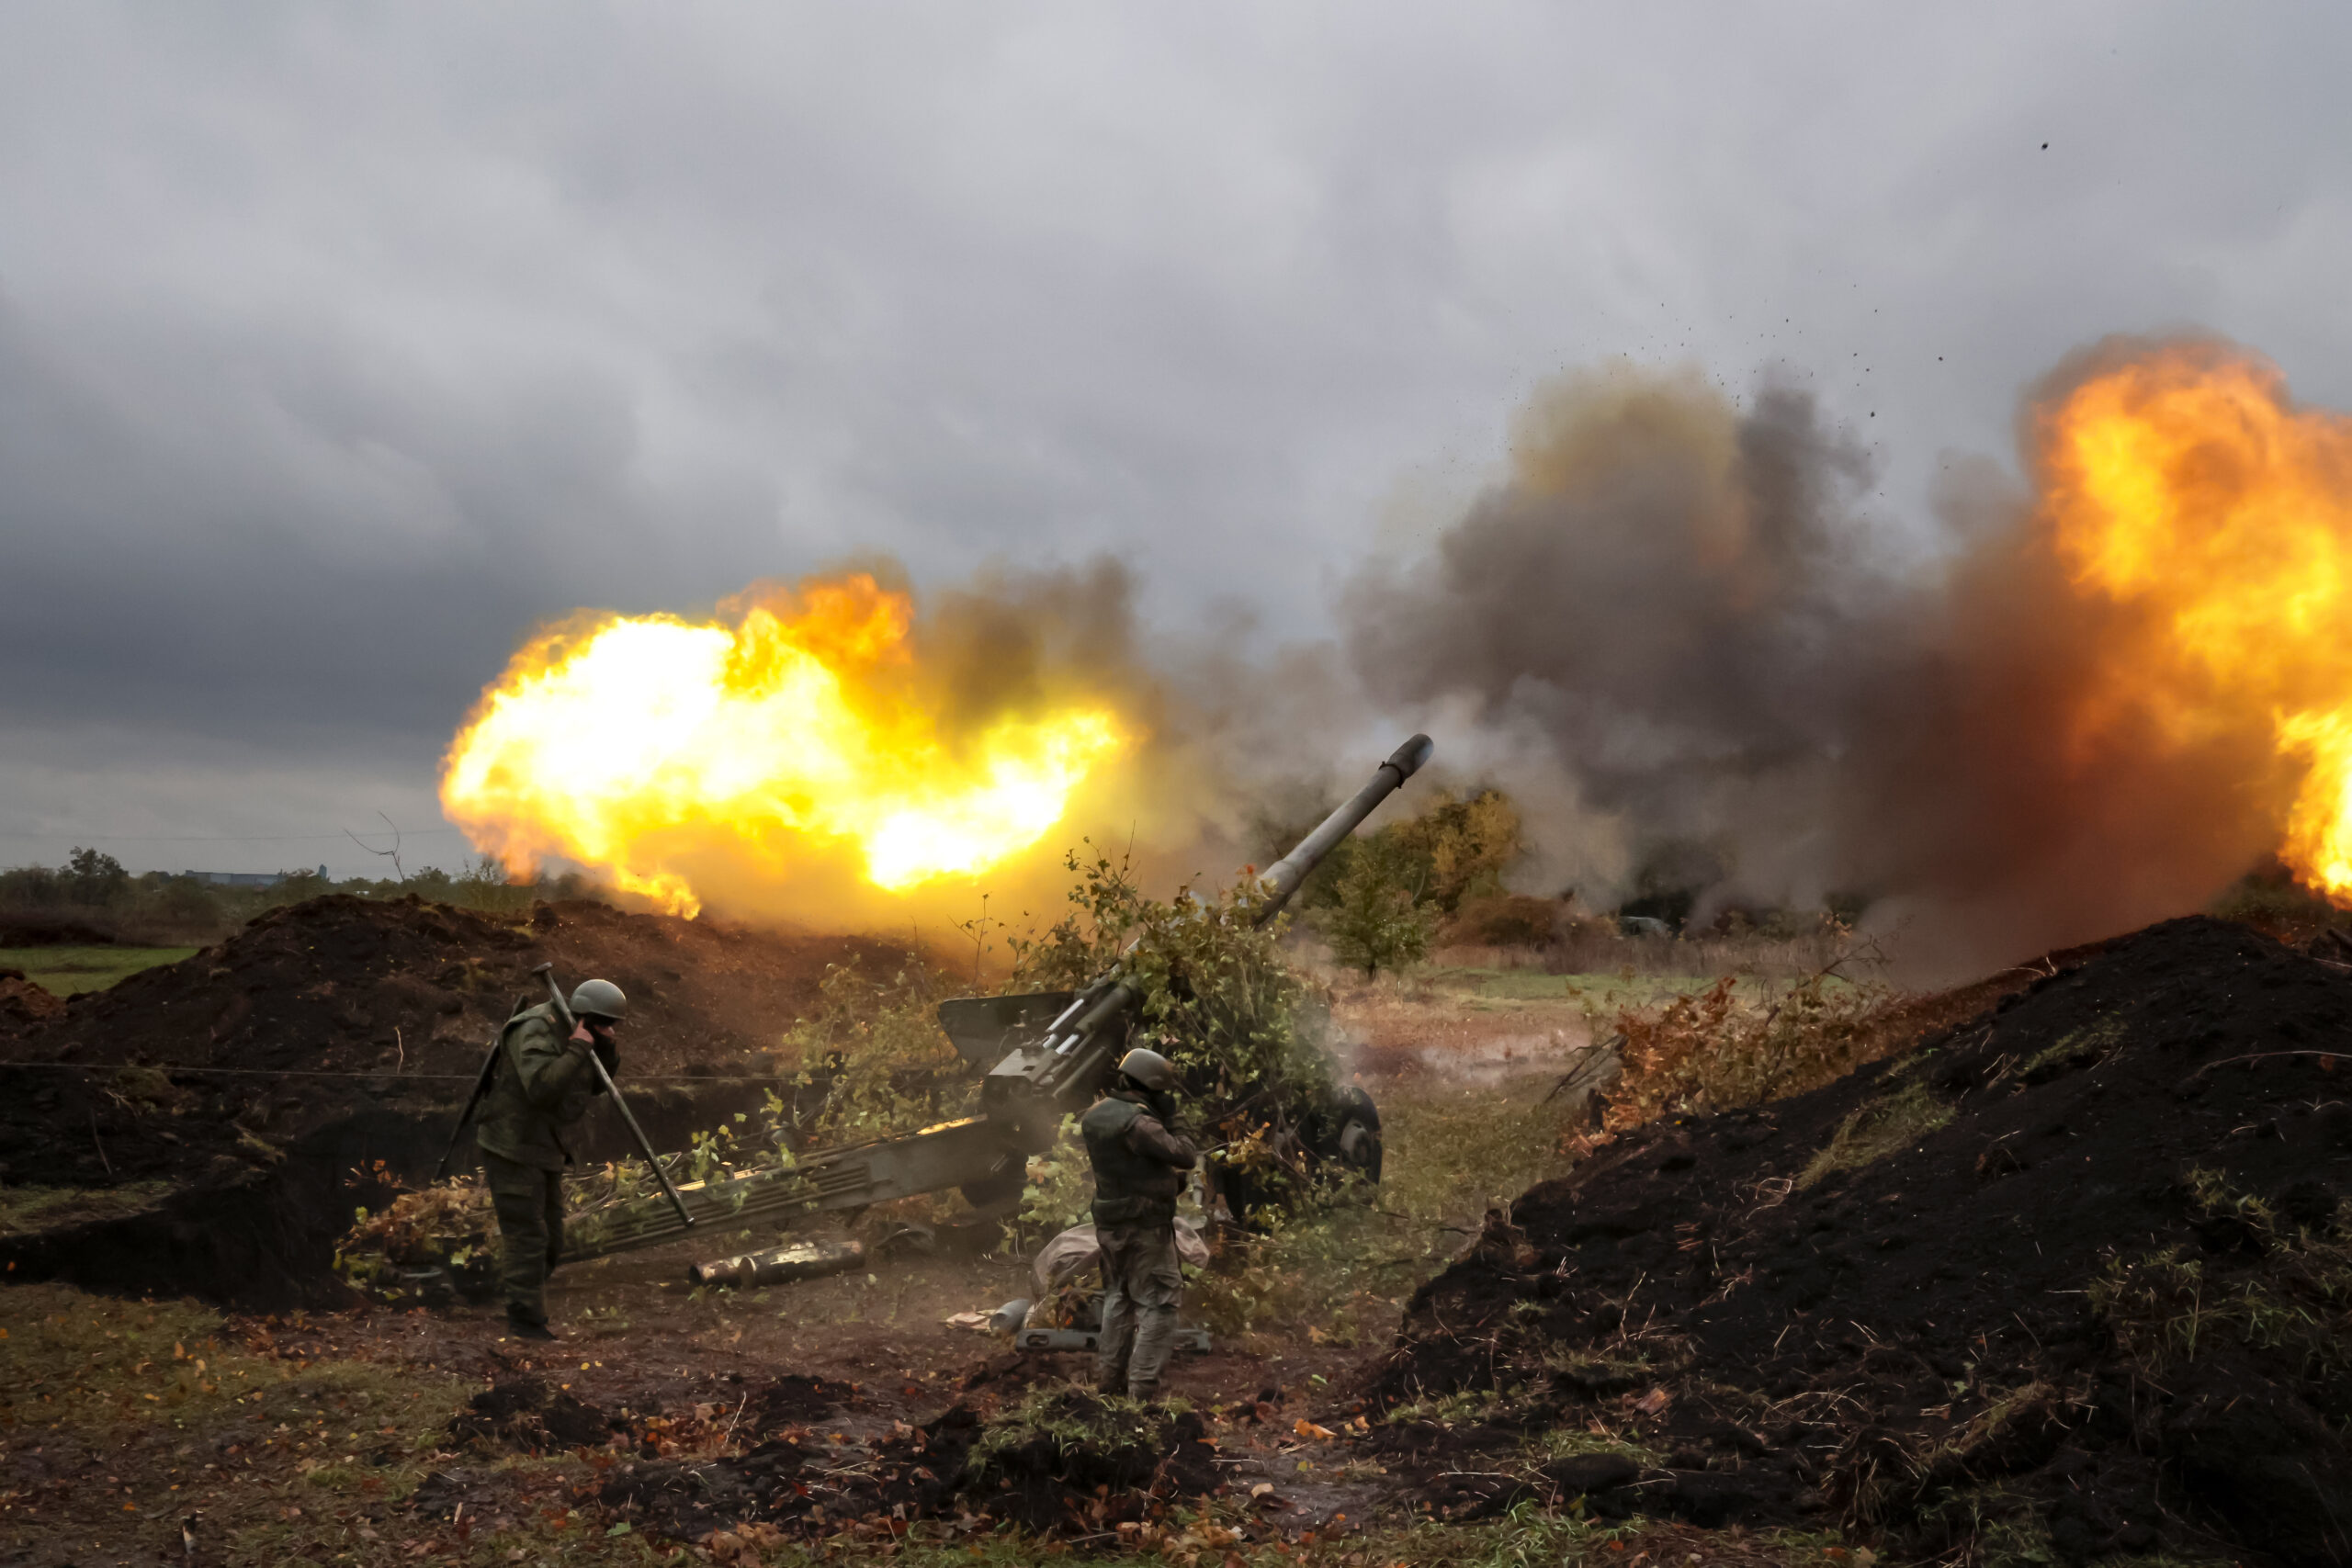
(205, 1127)
(2071, 1279)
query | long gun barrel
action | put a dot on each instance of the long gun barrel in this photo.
(1283, 878)
(1030, 1087)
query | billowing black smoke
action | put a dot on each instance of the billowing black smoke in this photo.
(1674, 634)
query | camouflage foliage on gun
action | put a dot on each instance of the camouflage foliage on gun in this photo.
(1046, 1056)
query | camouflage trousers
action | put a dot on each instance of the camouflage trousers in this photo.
(1141, 1282)
(528, 1202)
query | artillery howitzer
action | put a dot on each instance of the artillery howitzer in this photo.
(1046, 1055)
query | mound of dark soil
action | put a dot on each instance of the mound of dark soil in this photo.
(342, 1035)
(319, 1007)
(2070, 1276)
(798, 1481)
(401, 986)
(1076, 1462)
(525, 1415)
(795, 1398)
(1073, 1465)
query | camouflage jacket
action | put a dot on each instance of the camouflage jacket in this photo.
(542, 1087)
(1140, 1161)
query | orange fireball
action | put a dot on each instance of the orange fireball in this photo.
(2185, 487)
(803, 726)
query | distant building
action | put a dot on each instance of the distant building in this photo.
(248, 878)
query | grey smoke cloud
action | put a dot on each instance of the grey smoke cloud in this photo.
(1665, 586)
(1672, 602)
(1674, 631)
(338, 349)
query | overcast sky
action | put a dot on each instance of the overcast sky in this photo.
(338, 345)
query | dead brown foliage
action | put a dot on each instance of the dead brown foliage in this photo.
(1503, 920)
(23, 1003)
(1714, 1049)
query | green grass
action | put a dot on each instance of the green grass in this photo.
(164, 1391)
(1071, 1422)
(1613, 991)
(1878, 1130)
(1457, 1152)
(65, 970)
(1499, 985)
(2077, 1048)
(1597, 987)
(1537, 985)
(2293, 1301)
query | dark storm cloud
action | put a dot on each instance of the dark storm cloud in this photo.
(337, 348)
(263, 545)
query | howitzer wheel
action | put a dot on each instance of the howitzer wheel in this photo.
(999, 1189)
(1352, 1125)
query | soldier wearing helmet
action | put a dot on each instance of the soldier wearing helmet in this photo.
(1139, 1158)
(543, 1087)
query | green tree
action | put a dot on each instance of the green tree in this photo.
(1379, 921)
(30, 887)
(187, 903)
(92, 879)
(1459, 849)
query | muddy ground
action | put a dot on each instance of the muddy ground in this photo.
(2063, 1281)
(678, 1416)
(793, 1414)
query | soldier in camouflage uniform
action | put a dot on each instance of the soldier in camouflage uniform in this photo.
(1139, 1159)
(543, 1086)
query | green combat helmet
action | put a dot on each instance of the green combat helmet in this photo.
(1151, 1069)
(598, 999)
